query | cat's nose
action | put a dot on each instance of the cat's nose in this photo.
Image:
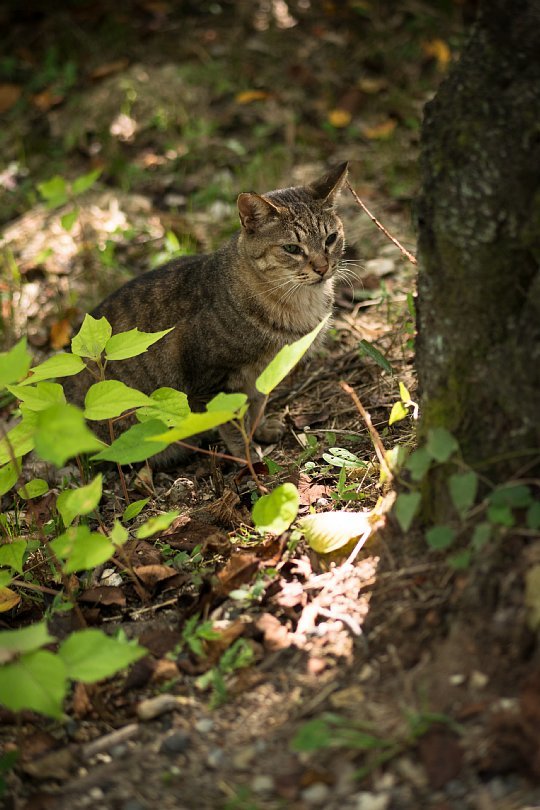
(321, 268)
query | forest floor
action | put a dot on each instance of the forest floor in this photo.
(393, 682)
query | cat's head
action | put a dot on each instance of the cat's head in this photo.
(294, 233)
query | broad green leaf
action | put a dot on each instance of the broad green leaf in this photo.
(92, 337)
(501, 515)
(285, 360)
(37, 681)
(91, 655)
(81, 501)
(339, 457)
(53, 191)
(227, 402)
(9, 475)
(26, 639)
(533, 516)
(368, 348)
(67, 221)
(440, 537)
(134, 509)
(168, 405)
(405, 509)
(398, 412)
(463, 488)
(33, 489)
(275, 512)
(61, 433)
(516, 496)
(5, 578)
(481, 535)
(134, 444)
(418, 463)
(81, 550)
(461, 560)
(156, 524)
(60, 365)
(14, 364)
(118, 534)
(110, 398)
(404, 393)
(314, 735)
(441, 444)
(132, 343)
(19, 440)
(193, 424)
(84, 182)
(40, 396)
(12, 555)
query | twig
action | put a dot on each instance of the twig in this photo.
(375, 438)
(405, 252)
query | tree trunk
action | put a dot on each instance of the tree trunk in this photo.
(478, 348)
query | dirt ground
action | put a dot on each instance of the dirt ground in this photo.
(388, 683)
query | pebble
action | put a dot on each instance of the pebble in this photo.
(96, 794)
(262, 784)
(244, 757)
(372, 801)
(118, 751)
(215, 757)
(175, 743)
(456, 789)
(316, 794)
(204, 725)
(380, 267)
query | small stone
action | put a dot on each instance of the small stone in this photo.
(380, 267)
(455, 789)
(243, 758)
(204, 725)
(316, 794)
(457, 679)
(96, 794)
(154, 707)
(215, 757)
(175, 743)
(262, 784)
(119, 751)
(478, 680)
(372, 801)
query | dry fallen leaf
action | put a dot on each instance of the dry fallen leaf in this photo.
(46, 99)
(8, 599)
(60, 333)
(339, 118)
(380, 131)
(150, 575)
(328, 531)
(109, 68)
(248, 96)
(104, 595)
(438, 49)
(9, 96)
(237, 571)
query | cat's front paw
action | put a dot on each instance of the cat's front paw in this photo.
(270, 430)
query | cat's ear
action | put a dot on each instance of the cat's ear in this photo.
(255, 210)
(327, 187)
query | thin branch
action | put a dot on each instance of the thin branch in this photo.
(405, 252)
(375, 438)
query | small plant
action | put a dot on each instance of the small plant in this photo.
(57, 192)
(238, 656)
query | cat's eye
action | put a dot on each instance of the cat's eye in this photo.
(331, 239)
(295, 250)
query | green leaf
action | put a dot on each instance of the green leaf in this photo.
(193, 424)
(515, 496)
(134, 509)
(5, 578)
(19, 440)
(33, 489)
(26, 639)
(440, 537)
(339, 457)
(532, 518)
(9, 475)
(91, 655)
(275, 512)
(53, 191)
(12, 555)
(168, 405)
(118, 534)
(418, 463)
(441, 444)
(501, 515)
(81, 501)
(92, 337)
(67, 221)
(61, 433)
(481, 535)
(227, 402)
(329, 531)
(368, 348)
(14, 364)
(314, 735)
(132, 343)
(133, 445)
(285, 360)
(110, 398)
(405, 509)
(156, 524)
(461, 560)
(37, 681)
(398, 412)
(40, 396)
(81, 550)
(60, 365)
(463, 488)
(84, 182)
(404, 393)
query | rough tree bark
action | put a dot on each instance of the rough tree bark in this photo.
(478, 349)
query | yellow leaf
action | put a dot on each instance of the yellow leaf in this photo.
(438, 49)
(372, 86)
(328, 531)
(380, 131)
(8, 599)
(248, 96)
(339, 118)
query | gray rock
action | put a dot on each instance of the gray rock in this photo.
(316, 794)
(175, 743)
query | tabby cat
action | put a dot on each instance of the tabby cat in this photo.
(232, 310)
